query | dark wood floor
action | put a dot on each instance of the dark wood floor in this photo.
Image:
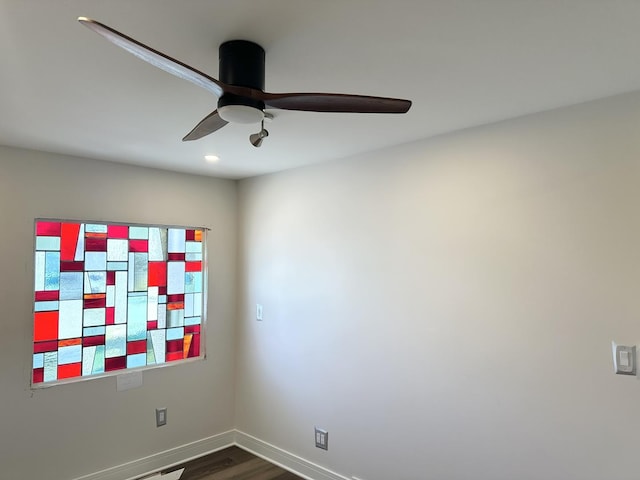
(232, 463)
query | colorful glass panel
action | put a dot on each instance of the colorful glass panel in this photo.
(141, 233)
(176, 277)
(137, 360)
(70, 354)
(80, 246)
(38, 360)
(88, 357)
(117, 231)
(94, 317)
(176, 240)
(95, 260)
(116, 363)
(117, 250)
(50, 366)
(48, 243)
(70, 319)
(99, 360)
(69, 241)
(52, 270)
(109, 297)
(71, 285)
(157, 245)
(48, 228)
(45, 326)
(39, 271)
(192, 320)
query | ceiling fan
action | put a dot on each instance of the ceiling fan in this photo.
(240, 90)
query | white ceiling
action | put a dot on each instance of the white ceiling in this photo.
(65, 89)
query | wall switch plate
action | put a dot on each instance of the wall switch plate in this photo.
(161, 417)
(624, 359)
(322, 438)
(258, 311)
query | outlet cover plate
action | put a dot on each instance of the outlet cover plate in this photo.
(322, 438)
(161, 417)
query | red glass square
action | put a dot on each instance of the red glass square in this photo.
(115, 363)
(176, 297)
(193, 266)
(117, 231)
(48, 229)
(48, 295)
(69, 241)
(110, 316)
(96, 300)
(152, 325)
(192, 329)
(38, 375)
(69, 371)
(111, 277)
(176, 257)
(72, 266)
(194, 349)
(190, 235)
(45, 326)
(173, 356)
(95, 244)
(93, 341)
(157, 274)
(175, 345)
(138, 245)
(139, 346)
(50, 346)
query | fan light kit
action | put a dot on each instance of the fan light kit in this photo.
(257, 138)
(240, 114)
(240, 89)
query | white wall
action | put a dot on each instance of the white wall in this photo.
(66, 431)
(445, 309)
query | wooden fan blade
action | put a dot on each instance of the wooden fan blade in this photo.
(207, 125)
(155, 57)
(335, 102)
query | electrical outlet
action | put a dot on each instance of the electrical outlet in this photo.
(161, 417)
(322, 438)
(258, 311)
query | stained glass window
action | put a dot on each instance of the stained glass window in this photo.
(110, 297)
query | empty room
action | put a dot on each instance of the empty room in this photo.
(326, 240)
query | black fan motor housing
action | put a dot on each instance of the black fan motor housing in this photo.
(242, 63)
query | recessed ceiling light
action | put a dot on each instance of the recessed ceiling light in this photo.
(211, 158)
